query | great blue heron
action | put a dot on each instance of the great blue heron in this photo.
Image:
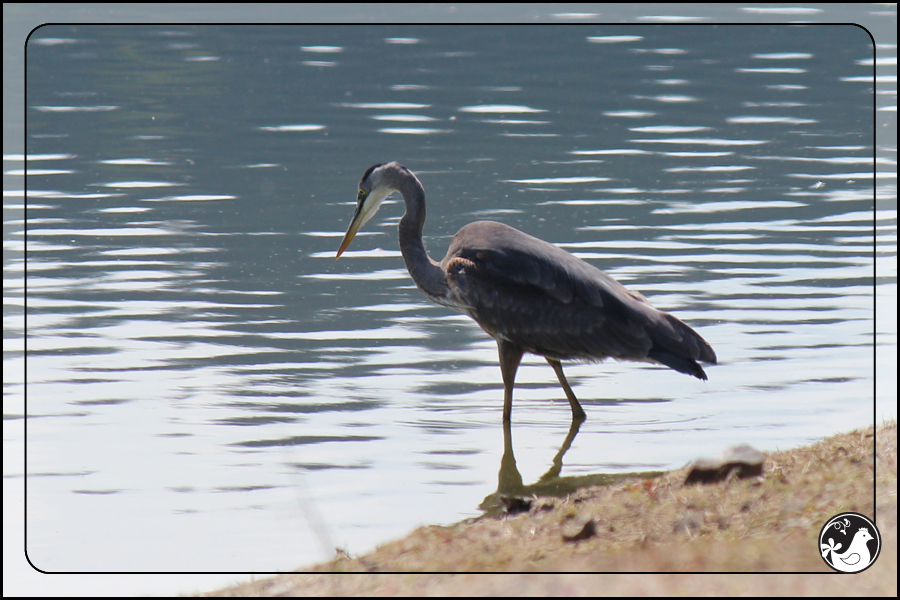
(529, 295)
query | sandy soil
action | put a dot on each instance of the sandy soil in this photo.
(641, 536)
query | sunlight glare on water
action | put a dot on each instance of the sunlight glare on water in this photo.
(201, 370)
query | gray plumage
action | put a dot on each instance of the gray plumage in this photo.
(530, 295)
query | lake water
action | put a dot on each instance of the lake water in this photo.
(208, 389)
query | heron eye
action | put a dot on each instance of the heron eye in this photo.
(362, 194)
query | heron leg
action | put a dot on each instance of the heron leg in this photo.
(510, 357)
(577, 411)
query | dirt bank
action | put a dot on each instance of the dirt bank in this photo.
(767, 524)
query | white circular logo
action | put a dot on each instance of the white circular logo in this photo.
(849, 542)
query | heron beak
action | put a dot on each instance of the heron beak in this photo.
(366, 208)
(355, 224)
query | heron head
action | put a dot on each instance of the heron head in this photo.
(374, 188)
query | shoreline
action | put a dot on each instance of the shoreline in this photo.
(657, 525)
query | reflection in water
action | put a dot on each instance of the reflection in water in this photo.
(513, 495)
(192, 343)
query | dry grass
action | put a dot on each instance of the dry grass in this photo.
(768, 524)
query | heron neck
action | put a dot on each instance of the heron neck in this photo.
(427, 273)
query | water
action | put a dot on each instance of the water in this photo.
(209, 390)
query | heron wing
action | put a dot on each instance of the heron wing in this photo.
(532, 293)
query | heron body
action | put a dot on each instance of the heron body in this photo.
(528, 294)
